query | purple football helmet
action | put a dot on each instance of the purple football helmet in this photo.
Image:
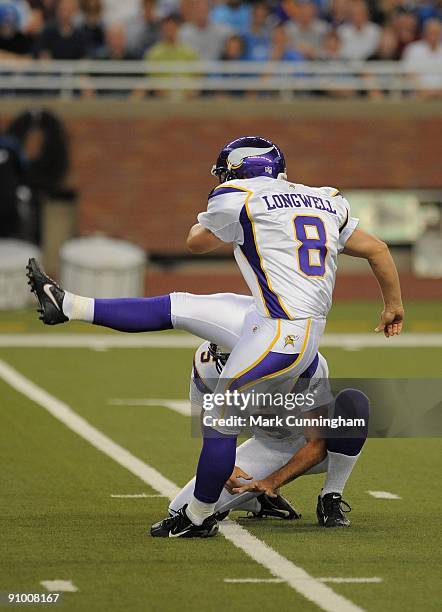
(247, 157)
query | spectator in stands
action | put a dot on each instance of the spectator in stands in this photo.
(282, 49)
(388, 47)
(169, 47)
(13, 43)
(93, 28)
(331, 49)
(143, 32)
(259, 35)
(360, 38)
(234, 49)
(233, 13)
(115, 47)
(305, 31)
(386, 8)
(332, 52)
(424, 57)
(406, 26)
(387, 51)
(164, 8)
(427, 9)
(35, 23)
(207, 38)
(337, 12)
(22, 10)
(47, 8)
(62, 39)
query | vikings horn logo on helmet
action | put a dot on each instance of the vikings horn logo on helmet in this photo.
(237, 156)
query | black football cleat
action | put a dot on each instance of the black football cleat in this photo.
(220, 516)
(330, 511)
(49, 295)
(180, 526)
(276, 507)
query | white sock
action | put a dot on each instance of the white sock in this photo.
(198, 511)
(339, 470)
(78, 308)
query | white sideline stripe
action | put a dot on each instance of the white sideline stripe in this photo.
(134, 495)
(171, 340)
(59, 585)
(253, 580)
(372, 580)
(280, 567)
(181, 406)
(99, 341)
(384, 495)
(336, 580)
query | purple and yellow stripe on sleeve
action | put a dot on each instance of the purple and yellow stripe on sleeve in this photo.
(224, 191)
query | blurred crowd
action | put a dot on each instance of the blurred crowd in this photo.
(285, 30)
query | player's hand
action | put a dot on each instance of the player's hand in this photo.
(391, 321)
(265, 486)
(233, 480)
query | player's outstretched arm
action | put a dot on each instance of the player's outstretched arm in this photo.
(201, 240)
(377, 253)
(309, 455)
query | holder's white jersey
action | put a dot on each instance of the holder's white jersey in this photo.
(206, 372)
(286, 240)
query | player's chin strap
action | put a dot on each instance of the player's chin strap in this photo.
(224, 175)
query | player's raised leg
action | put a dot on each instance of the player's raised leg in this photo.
(218, 317)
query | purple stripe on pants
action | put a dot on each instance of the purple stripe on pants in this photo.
(272, 363)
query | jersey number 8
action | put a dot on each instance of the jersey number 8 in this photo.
(311, 234)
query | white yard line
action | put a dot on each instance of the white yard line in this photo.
(253, 580)
(134, 495)
(336, 580)
(351, 580)
(383, 495)
(180, 406)
(99, 341)
(66, 586)
(171, 340)
(280, 567)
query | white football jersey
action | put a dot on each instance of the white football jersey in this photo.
(286, 240)
(206, 372)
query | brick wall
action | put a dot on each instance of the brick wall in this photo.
(143, 169)
(147, 179)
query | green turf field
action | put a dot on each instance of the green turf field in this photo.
(59, 521)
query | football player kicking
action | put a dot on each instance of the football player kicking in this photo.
(286, 238)
(275, 456)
